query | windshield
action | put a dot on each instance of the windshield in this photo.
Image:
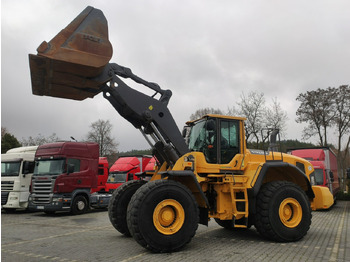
(197, 137)
(10, 168)
(49, 167)
(319, 176)
(117, 177)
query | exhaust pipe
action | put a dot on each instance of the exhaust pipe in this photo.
(66, 66)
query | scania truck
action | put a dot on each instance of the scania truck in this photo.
(17, 167)
(66, 178)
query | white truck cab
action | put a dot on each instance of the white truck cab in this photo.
(17, 167)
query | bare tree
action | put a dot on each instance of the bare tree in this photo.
(252, 107)
(342, 112)
(232, 111)
(204, 111)
(276, 117)
(39, 140)
(342, 124)
(101, 133)
(317, 110)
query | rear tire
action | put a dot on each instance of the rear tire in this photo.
(283, 212)
(119, 202)
(79, 205)
(163, 216)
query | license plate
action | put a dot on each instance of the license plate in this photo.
(40, 207)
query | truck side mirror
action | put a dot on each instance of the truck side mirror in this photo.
(70, 169)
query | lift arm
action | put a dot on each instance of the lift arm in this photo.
(146, 113)
(75, 65)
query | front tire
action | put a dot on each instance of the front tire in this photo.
(283, 212)
(119, 202)
(79, 205)
(163, 216)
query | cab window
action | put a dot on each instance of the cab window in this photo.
(229, 141)
(75, 162)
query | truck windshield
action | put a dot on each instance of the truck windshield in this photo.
(319, 176)
(117, 177)
(10, 168)
(49, 167)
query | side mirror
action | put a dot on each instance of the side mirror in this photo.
(185, 131)
(70, 169)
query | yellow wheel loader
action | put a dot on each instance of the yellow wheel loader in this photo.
(206, 174)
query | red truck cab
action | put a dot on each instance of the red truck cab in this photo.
(102, 175)
(125, 169)
(66, 178)
(324, 162)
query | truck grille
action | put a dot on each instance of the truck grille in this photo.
(4, 197)
(41, 190)
(7, 185)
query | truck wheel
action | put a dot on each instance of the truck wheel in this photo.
(283, 212)
(79, 205)
(163, 216)
(119, 202)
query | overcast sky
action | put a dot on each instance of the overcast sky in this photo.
(206, 52)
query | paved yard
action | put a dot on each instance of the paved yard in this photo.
(29, 236)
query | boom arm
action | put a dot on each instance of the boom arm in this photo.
(148, 114)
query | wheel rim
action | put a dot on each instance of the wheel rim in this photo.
(290, 212)
(80, 205)
(168, 217)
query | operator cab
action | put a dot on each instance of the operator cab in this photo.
(217, 137)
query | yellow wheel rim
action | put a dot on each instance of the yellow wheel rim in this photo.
(290, 212)
(168, 217)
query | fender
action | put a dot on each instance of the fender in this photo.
(203, 214)
(81, 191)
(297, 176)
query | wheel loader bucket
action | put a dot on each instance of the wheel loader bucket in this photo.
(66, 66)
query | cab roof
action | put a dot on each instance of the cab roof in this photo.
(216, 116)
